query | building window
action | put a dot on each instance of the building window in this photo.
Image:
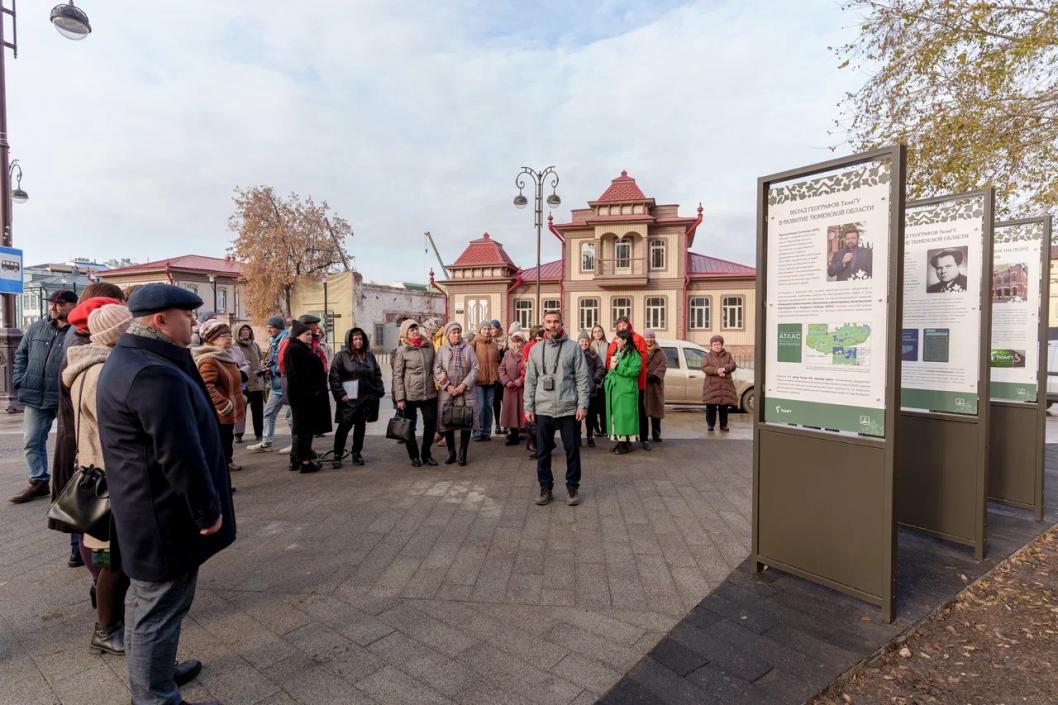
(523, 313)
(700, 313)
(657, 253)
(193, 288)
(589, 313)
(656, 312)
(380, 335)
(587, 257)
(623, 255)
(733, 313)
(620, 307)
(551, 305)
(222, 300)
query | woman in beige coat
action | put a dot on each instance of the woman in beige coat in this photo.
(84, 363)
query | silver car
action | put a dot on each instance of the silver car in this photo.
(684, 378)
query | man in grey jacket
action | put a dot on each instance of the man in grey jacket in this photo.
(36, 377)
(557, 391)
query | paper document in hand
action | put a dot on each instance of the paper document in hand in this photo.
(352, 388)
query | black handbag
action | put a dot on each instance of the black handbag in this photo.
(455, 418)
(83, 506)
(399, 429)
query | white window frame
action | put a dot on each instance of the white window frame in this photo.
(550, 305)
(523, 313)
(657, 244)
(733, 305)
(588, 313)
(587, 257)
(706, 313)
(222, 300)
(656, 309)
(616, 312)
(618, 258)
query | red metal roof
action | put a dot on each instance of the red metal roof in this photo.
(703, 266)
(199, 263)
(549, 272)
(621, 190)
(484, 252)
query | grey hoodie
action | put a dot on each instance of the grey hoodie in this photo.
(572, 386)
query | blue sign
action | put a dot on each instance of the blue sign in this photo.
(10, 270)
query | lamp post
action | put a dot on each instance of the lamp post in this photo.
(213, 280)
(71, 22)
(326, 318)
(536, 179)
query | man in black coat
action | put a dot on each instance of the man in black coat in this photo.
(169, 488)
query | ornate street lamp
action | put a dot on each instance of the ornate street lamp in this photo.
(17, 194)
(537, 179)
(70, 21)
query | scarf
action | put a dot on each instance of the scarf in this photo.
(203, 352)
(137, 328)
(459, 370)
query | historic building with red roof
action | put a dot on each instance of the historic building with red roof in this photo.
(623, 255)
(215, 279)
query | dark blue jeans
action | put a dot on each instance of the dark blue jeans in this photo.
(568, 428)
(154, 613)
(484, 395)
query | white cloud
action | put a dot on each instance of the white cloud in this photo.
(407, 117)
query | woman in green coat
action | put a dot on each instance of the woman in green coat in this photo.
(622, 393)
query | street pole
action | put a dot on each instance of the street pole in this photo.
(10, 335)
(537, 179)
(326, 319)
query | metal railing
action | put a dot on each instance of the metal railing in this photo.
(621, 267)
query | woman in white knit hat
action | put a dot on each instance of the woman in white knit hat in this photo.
(223, 380)
(83, 365)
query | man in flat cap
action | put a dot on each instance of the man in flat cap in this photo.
(36, 378)
(946, 265)
(168, 480)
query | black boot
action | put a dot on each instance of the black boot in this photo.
(450, 441)
(109, 640)
(464, 443)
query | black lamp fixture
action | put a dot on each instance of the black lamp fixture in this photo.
(17, 194)
(70, 21)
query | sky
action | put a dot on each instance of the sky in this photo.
(410, 116)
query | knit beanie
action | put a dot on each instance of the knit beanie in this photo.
(405, 325)
(79, 315)
(717, 339)
(583, 335)
(649, 333)
(212, 329)
(107, 323)
(450, 326)
(297, 328)
(277, 322)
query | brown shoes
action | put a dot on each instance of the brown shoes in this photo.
(35, 489)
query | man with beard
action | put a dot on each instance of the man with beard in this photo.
(557, 394)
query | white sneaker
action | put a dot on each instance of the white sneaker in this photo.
(262, 447)
(285, 450)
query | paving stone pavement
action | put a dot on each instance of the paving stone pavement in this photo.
(390, 584)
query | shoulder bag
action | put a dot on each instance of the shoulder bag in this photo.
(84, 503)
